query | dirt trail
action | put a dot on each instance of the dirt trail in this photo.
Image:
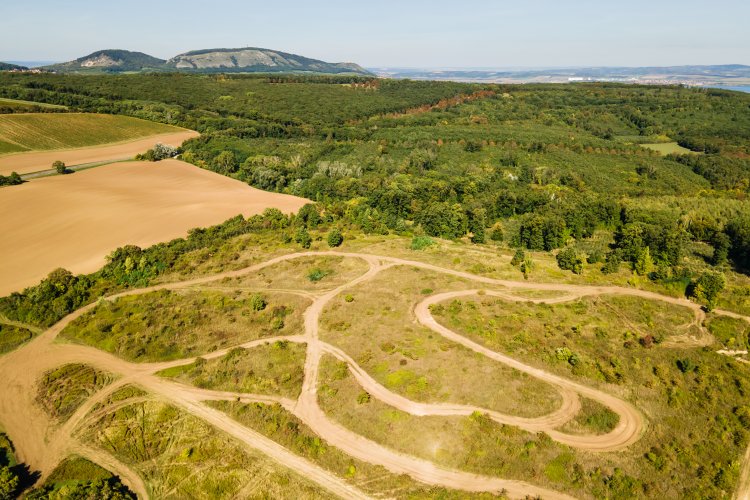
(42, 444)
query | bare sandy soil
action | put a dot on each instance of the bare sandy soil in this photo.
(74, 221)
(34, 161)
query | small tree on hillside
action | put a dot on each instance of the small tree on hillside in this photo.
(496, 233)
(569, 260)
(707, 287)
(645, 264)
(303, 237)
(518, 257)
(60, 167)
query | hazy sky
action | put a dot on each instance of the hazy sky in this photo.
(414, 33)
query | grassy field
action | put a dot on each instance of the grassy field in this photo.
(582, 337)
(12, 336)
(308, 273)
(691, 397)
(377, 329)
(18, 105)
(284, 428)
(46, 131)
(474, 443)
(179, 456)
(667, 148)
(168, 325)
(63, 390)
(275, 369)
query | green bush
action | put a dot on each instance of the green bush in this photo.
(258, 302)
(335, 238)
(421, 242)
(316, 274)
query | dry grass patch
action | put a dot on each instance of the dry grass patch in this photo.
(306, 273)
(180, 456)
(378, 329)
(286, 429)
(276, 369)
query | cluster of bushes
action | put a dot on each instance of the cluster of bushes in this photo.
(10, 180)
(158, 152)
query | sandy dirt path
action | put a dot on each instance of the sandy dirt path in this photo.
(35, 161)
(75, 221)
(42, 444)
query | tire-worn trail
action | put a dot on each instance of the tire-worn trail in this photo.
(42, 443)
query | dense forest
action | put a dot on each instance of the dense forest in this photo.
(540, 167)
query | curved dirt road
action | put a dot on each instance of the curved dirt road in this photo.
(43, 444)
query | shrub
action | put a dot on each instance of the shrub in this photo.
(421, 242)
(335, 238)
(569, 260)
(11, 180)
(60, 167)
(303, 237)
(257, 302)
(317, 274)
(518, 257)
(707, 287)
(595, 257)
(612, 264)
(496, 233)
(363, 398)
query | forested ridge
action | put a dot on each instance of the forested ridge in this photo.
(537, 167)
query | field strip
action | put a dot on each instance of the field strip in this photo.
(42, 445)
(35, 161)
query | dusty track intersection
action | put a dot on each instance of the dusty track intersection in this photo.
(42, 444)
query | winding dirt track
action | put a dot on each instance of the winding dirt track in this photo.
(42, 444)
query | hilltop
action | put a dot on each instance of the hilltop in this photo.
(111, 60)
(242, 60)
(252, 59)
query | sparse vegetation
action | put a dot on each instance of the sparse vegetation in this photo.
(275, 368)
(168, 325)
(64, 389)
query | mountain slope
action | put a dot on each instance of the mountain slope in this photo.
(251, 59)
(8, 66)
(111, 60)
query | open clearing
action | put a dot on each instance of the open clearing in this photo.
(35, 140)
(74, 221)
(667, 148)
(43, 445)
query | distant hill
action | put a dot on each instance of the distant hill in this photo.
(244, 60)
(8, 66)
(725, 74)
(252, 59)
(109, 61)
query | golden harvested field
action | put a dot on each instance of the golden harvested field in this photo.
(74, 221)
(35, 140)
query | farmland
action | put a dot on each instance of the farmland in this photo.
(39, 139)
(86, 215)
